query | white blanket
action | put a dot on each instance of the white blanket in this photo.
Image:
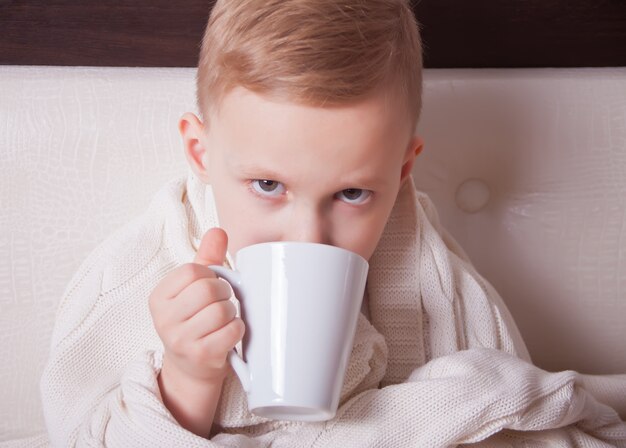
(440, 363)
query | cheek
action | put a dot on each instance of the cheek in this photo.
(365, 246)
(239, 216)
(362, 236)
(370, 238)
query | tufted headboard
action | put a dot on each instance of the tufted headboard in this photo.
(527, 169)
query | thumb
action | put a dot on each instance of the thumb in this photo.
(212, 248)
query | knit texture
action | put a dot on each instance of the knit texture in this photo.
(440, 362)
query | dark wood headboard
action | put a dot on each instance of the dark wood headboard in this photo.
(456, 33)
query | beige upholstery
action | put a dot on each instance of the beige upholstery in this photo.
(527, 167)
(550, 146)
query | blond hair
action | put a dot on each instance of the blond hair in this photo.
(315, 52)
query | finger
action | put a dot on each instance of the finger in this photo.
(210, 319)
(224, 339)
(212, 248)
(199, 295)
(180, 278)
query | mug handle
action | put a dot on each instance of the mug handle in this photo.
(239, 365)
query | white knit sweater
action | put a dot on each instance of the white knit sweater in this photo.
(440, 364)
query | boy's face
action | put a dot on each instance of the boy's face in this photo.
(286, 172)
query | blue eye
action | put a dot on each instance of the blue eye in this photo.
(354, 196)
(269, 188)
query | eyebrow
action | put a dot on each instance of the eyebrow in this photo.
(257, 171)
(374, 182)
(253, 171)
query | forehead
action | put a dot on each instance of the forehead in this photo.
(247, 123)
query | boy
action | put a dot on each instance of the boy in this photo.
(308, 110)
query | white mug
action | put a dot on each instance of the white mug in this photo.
(300, 303)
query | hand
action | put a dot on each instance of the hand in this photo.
(194, 317)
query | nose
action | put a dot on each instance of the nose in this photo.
(308, 224)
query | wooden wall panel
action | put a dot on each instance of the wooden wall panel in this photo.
(457, 33)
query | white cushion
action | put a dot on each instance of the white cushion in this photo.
(550, 147)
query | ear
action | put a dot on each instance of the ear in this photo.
(416, 144)
(192, 131)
